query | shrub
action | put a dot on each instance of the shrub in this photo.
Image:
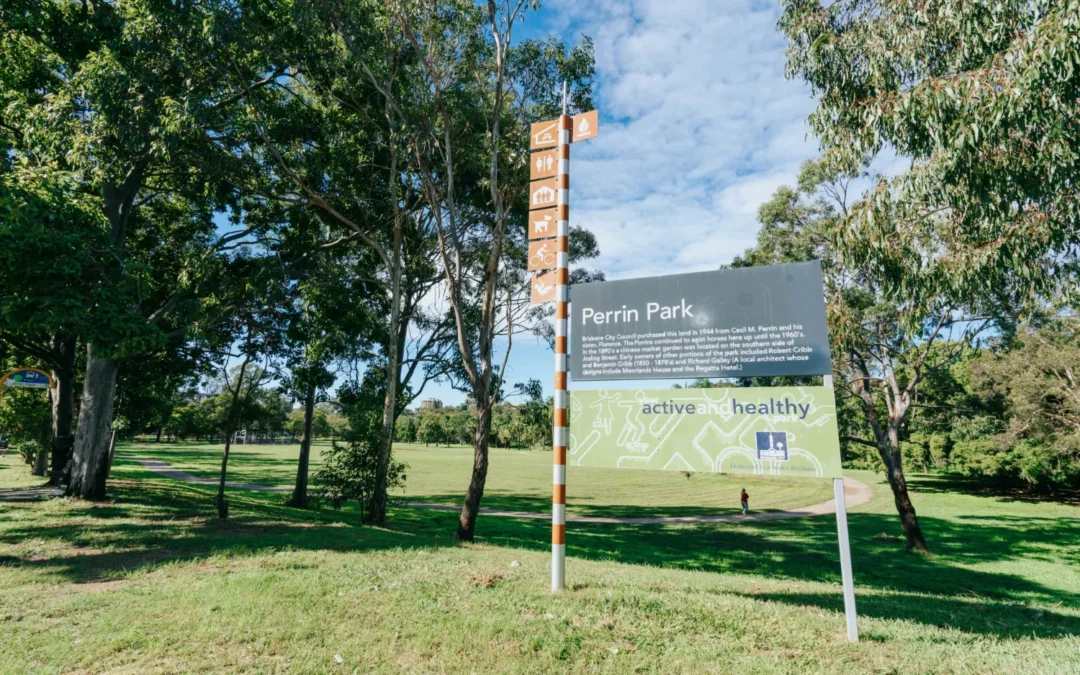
(28, 450)
(348, 472)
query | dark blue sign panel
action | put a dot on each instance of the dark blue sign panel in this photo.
(746, 322)
(28, 379)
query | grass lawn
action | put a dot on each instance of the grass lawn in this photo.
(151, 582)
(517, 480)
(15, 473)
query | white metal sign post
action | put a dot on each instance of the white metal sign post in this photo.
(845, 552)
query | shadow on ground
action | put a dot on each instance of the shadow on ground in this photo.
(151, 521)
(1002, 490)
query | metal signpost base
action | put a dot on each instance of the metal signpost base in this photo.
(845, 552)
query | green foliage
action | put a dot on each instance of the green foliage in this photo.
(29, 449)
(981, 98)
(24, 414)
(1035, 377)
(406, 429)
(430, 429)
(348, 472)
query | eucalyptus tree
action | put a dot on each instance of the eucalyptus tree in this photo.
(480, 94)
(250, 342)
(325, 323)
(327, 139)
(885, 368)
(985, 223)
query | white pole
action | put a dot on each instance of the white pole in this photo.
(561, 413)
(845, 561)
(845, 552)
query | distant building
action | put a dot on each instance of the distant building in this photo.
(428, 404)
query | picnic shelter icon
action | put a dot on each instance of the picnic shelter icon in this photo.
(543, 195)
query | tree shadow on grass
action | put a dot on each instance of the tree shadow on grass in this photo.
(507, 501)
(152, 522)
(969, 615)
(933, 590)
(1012, 491)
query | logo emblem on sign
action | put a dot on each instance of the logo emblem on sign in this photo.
(772, 445)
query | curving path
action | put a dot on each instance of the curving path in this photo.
(855, 493)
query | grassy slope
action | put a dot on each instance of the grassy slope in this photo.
(150, 582)
(517, 479)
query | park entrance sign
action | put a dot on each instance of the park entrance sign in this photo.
(749, 322)
(767, 431)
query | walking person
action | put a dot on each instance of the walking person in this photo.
(744, 500)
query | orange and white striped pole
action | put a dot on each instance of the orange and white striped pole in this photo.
(561, 422)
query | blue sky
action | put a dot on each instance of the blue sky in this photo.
(698, 127)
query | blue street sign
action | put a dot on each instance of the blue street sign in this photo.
(27, 378)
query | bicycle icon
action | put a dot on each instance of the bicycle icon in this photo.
(542, 259)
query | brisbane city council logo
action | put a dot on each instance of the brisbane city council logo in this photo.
(772, 445)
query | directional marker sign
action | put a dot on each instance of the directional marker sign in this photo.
(543, 288)
(543, 164)
(544, 135)
(542, 255)
(586, 126)
(542, 223)
(27, 378)
(543, 193)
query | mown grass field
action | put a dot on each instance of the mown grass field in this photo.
(151, 582)
(517, 480)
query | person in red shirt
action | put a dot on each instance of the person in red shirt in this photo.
(744, 499)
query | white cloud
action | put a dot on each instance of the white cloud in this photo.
(698, 128)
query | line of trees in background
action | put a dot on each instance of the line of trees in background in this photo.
(525, 425)
(279, 197)
(285, 196)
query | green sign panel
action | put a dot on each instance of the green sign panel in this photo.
(769, 431)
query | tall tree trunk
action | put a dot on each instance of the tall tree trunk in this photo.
(91, 456)
(894, 469)
(63, 409)
(157, 439)
(222, 504)
(112, 454)
(300, 495)
(376, 512)
(230, 426)
(469, 511)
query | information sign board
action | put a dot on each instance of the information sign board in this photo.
(769, 431)
(753, 321)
